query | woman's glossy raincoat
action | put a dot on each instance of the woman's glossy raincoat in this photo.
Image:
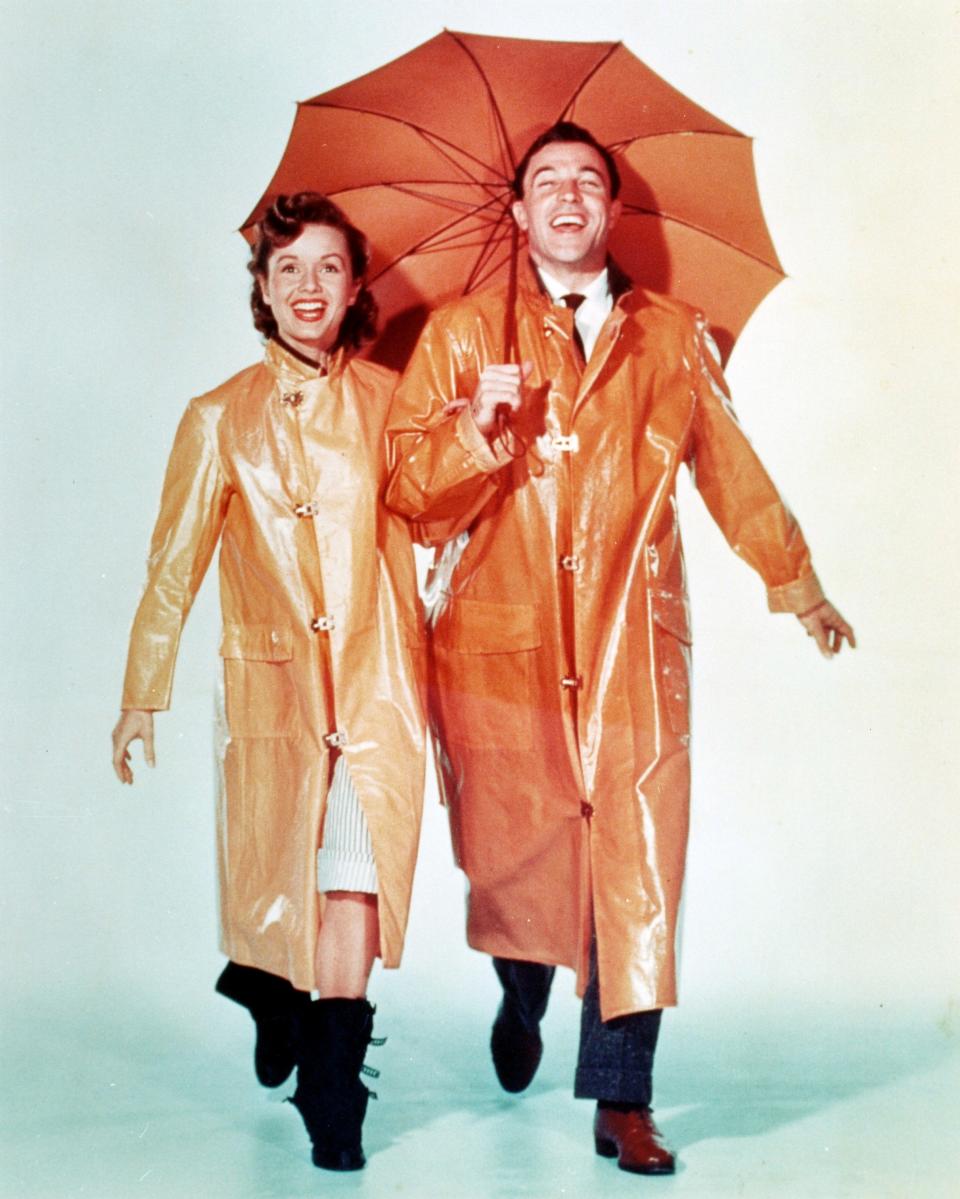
(321, 627)
(560, 640)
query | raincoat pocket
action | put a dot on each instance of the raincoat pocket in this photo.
(484, 654)
(258, 681)
(672, 641)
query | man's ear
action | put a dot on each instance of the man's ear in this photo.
(520, 215)
(615, 210)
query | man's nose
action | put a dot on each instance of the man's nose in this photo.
(570, 190)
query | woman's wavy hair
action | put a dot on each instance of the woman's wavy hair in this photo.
(282, 224)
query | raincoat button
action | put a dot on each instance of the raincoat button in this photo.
(335, 740)
(586, 810)
(308, 509)
(572, 682)
(274, 637)
(566, 445)
(293, 398)
(571, 562)
(323, 624)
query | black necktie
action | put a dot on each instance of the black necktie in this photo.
(573, 302)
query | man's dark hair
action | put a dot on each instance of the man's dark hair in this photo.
(567, 131)
(282, 224)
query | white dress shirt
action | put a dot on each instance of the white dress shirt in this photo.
(596, 306)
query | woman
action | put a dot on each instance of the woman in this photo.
(283, 465)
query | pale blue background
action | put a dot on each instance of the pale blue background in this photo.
(823, 863)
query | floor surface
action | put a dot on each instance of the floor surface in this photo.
(144, 1100)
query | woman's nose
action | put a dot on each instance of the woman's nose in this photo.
(313, 280)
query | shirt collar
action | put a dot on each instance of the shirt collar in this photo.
(597, 290)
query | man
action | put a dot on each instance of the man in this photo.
(560, 637)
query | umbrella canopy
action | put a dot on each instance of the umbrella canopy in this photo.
(421, 152)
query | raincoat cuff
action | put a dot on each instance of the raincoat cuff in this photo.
(799, 596)
(483, 455)
(149, 700)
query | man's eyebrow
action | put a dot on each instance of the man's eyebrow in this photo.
(586, 169)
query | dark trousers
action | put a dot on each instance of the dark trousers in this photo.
(615, 1058)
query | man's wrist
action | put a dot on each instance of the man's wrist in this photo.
(799, 597)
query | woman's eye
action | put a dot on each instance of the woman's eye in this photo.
(289, 268)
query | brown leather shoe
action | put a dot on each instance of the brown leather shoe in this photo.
(633, 1139)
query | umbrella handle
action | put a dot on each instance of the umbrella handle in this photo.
(511, 441)
(510, 347)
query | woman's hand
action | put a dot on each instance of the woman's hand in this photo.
(134, 723)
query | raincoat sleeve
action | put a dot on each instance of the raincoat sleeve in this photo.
(443, 470)
(740, 495)
(192, 509)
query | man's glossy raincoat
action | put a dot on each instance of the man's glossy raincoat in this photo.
(285, 467)
(559, 647)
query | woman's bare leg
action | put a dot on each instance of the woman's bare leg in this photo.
(347, 943)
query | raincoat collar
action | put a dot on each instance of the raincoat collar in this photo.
(291, 372)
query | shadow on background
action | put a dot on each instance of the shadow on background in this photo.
(747, 1077)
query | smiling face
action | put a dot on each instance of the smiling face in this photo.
(567, 211)
(309, 286)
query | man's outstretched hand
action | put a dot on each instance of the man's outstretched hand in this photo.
(828, 628)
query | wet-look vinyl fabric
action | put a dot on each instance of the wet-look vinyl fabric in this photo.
(559, 636)
(322, 639)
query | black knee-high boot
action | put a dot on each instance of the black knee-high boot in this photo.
(330, 1096)
(277, 1009)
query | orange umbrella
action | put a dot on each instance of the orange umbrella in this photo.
(420, 154)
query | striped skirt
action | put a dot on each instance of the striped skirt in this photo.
(345, 859)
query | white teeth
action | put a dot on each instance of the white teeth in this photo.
(572, 222)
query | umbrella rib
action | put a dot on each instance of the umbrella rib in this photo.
(492, 186)
(428, 135)
(565, 111)
(438, 237)
(498, 115)
(483, 260)
(636, 210)
(413, 188)
(409, 187)
(426, 241)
